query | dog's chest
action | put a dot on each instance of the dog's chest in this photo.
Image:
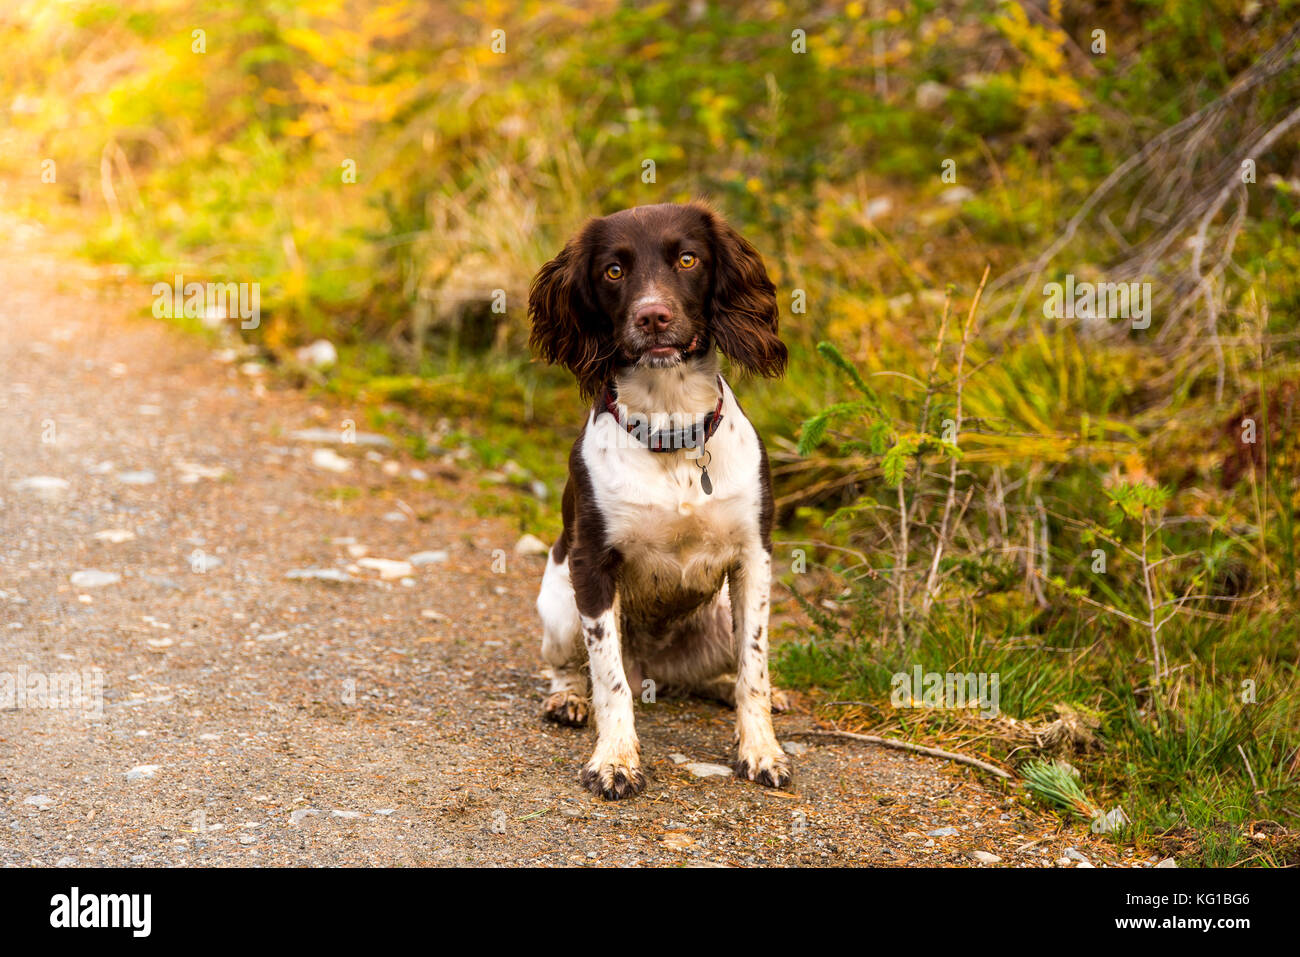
(676, 541)
(675, 529)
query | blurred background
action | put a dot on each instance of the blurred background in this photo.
(1101, 514)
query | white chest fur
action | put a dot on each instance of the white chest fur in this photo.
(673, 536)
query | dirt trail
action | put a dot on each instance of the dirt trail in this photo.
(249, 718)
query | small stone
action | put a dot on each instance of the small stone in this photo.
(191, 472)
(115, 536)
(336, 436)
(142, 771)
(794, 748)
(297, 817)
(319, 355)
(1167, 862)
(247, 838)
(39, 800)
(66, 862)
(420, 559)
(139, 477)
(984, 857)
(201, 562)
(419, 475)
(388, 568)
(942, 832)
(1083, 864)
(704, 770)
(94, 578)
(880, 206)
(348, 815)
(931, 95)
(531, 545)
(47, 486)
(329, 460)
(160, 581)
(678, 758)
(320, 574)
(1073, 854)
(1112, 820)
(956, 195)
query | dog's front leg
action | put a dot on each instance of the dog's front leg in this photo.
(758, 755)
(614, 770)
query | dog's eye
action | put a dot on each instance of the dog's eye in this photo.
(687, 260)
(614, 272)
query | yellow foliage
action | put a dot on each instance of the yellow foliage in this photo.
(1043, 80)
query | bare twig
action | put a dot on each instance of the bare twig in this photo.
(931, 581)
(916, 748)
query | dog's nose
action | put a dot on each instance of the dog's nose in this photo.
(653, 318)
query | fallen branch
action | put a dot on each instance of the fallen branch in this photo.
(918, 748)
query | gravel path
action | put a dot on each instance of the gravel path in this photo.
(153, 500)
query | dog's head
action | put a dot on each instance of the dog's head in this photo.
(654, 286)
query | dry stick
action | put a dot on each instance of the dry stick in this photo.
(1151, 609)
(905, 512)
(924, 421)
(106, 185)
(907, 746)
(1111, 609)
(927, 601)
(900, 566)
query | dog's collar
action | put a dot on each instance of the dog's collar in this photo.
(673, 440)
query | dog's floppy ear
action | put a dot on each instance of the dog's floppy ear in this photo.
(744, 303)
(568, 329)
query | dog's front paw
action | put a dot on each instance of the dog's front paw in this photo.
(614, 773)
(613, 782)
(566, 707)
(766, 766)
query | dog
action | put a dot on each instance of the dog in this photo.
(660, 579)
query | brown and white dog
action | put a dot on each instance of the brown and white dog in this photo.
(662, 572)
